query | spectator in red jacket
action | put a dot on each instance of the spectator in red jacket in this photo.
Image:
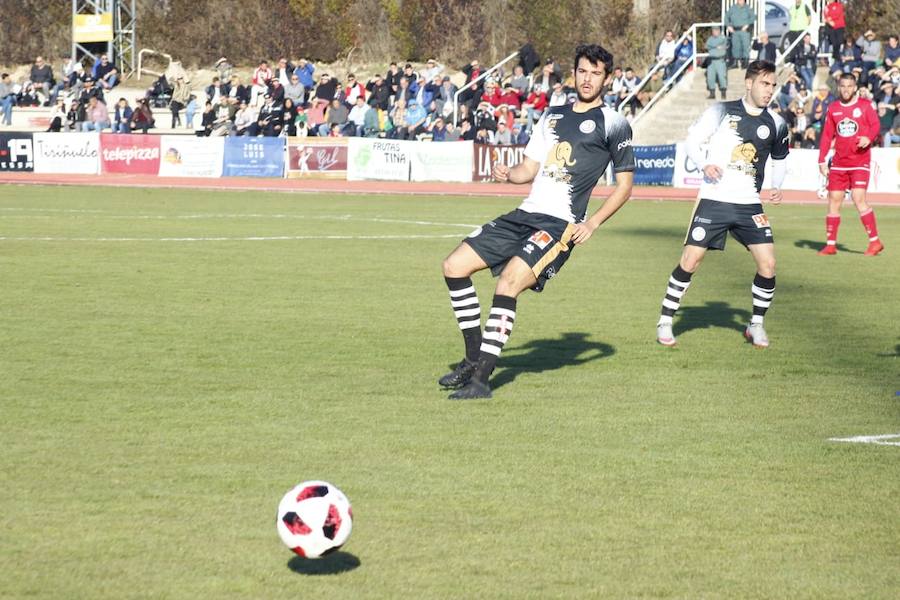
(834, 26)
(534, 106)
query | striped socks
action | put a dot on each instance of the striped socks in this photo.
(496, 334)
(467, 311)
(763, 290)
(679, 281)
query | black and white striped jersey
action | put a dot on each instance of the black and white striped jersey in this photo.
(574, 150)
(738, 139)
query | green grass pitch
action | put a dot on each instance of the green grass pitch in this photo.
(174, 361)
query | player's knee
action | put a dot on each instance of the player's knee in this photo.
(691, 263)
(452, 268)
(766, 267)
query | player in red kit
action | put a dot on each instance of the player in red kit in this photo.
(852, 123)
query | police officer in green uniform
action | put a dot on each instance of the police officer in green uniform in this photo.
(716, 47)
(739, 19)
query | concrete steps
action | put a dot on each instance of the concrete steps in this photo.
(669, 119)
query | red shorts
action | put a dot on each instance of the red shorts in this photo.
(840, 179)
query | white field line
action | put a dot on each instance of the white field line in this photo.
(871, 439)
(345, 218)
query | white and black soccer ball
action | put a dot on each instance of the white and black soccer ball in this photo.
(314, 519)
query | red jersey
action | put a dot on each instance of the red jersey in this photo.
(845, 124)
(834, 15)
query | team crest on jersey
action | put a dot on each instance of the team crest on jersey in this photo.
(587, 126)
(762, 132)
(847, 128)
(559, 157)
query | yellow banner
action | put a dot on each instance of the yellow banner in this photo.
(93, 28)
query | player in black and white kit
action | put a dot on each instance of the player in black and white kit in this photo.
(570, 149)
(740, 136)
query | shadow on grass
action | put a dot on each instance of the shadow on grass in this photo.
(894, 354)
(818, 245)
(333, 564)
(538, 356)
(668, 232)
(712, 314)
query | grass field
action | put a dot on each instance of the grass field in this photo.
(169, 370)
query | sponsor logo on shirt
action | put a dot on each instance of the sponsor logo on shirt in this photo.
(624, 144)
(847, 128)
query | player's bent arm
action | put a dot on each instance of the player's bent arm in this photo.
(619, 196)
(525, 171)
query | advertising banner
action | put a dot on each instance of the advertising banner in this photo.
(129, 153)
(188, 156)
(484, 156)
(885, 176)
(687, 174)
(67, 153)
(16, 152)
(324, 158)
(92, 28)
(374, 158)
(655, 164)
(441, 161)
(254, 157)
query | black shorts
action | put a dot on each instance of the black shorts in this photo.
(542, 241)
(712, 220)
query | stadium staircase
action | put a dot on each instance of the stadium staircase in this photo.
(669, 120)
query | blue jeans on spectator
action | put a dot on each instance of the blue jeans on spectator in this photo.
(890, 138)
(806, 74)
(7, 105)
(91, 126)
(123, 127)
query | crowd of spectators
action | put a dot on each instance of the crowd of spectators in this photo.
(293, 98)
(876, 65)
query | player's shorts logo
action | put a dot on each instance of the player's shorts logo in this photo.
(587, 127)
(761, 220)
(475, 233)
(762, 132)
(541, 239)
(698, 233)
(847, 128)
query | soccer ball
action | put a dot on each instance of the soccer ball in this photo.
(314, 519)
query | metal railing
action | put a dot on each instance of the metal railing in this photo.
(140, 62)
(669, 82)
(477, 80)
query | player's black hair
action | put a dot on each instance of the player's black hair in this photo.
(758, 67)
(845, 76)
(596, 54)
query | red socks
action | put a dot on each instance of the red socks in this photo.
(868, 221)
(832, 222)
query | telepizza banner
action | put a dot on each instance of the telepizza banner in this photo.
(77, 153)
(16, 152)
(322, 158)
(254, 157)
(375, 158)
(129, 153)
(484, 157)
(189, 156)
(441, 161)
(655, 164)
